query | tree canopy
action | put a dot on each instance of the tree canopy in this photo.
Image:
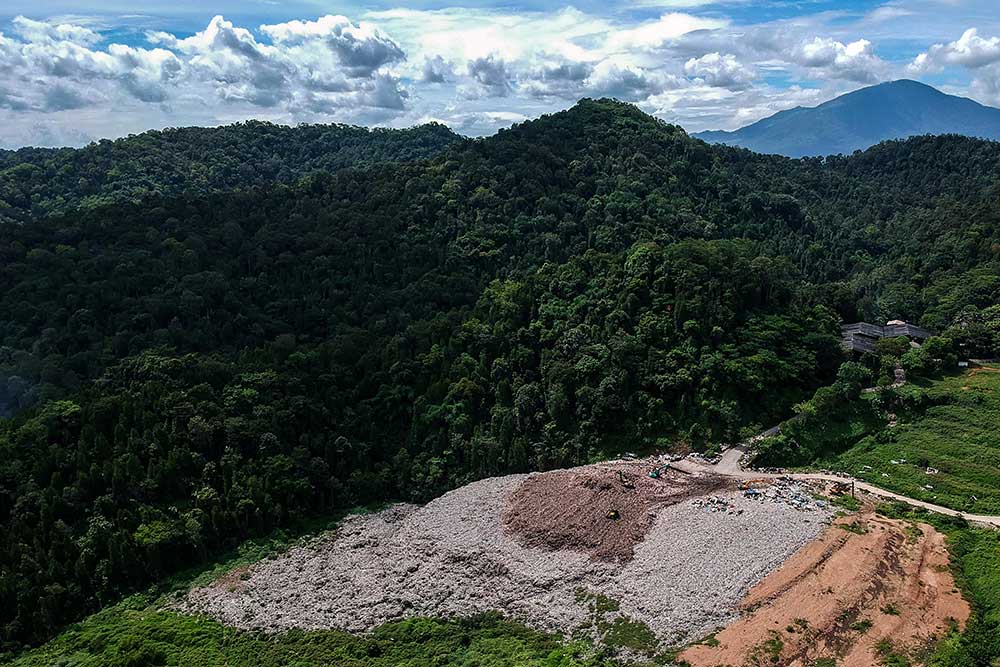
(211, 333)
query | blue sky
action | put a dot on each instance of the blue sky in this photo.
(72, 71)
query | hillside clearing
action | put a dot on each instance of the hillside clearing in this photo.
(453, 558)
(866, 584)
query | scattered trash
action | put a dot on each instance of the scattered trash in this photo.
(717, 504)
(932, 471)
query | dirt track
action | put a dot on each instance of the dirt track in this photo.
(842, 595)
(729, 466)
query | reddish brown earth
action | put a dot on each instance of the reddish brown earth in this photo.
(569, 509)
(842, 594)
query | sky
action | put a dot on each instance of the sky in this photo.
(75, 71)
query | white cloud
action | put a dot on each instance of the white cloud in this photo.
(476, 69)
(360, 49)
(855, 61)
(490, 78)
(979, 55)
(308, 67)
(721, 71)
(970, 50)
(655, 34)
(40, 31)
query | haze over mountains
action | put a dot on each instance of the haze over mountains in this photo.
(863, 118)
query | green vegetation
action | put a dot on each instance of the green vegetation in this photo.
(204, 346)
(854, 527)
(131, 634)
(767, 653)
(617, 633)
(949, 427)
(888, 655)
(849, 503)
(862, 626)
(890, 609)
(197, 161)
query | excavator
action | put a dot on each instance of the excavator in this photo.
(658, 471)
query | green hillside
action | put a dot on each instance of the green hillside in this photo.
(953, 428)
(197, 160)
(198, 362)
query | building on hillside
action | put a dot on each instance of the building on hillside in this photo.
(861, 336)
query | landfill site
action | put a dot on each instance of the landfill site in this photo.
(683, 554)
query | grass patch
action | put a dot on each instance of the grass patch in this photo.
(127, 636)
(849, 503)
(627, 633)
(890, 610)
(889, 657)
(854, 527)
(949, 425)
(768, 652)
(614, 630)
(861, 626)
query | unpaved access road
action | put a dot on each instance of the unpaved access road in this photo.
(729, 465)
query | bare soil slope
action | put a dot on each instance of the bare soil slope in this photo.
(569, 509)
(867, 580)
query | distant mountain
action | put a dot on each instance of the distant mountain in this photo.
(857, 120)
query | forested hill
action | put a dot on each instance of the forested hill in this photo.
(196, 160)
(190, 369)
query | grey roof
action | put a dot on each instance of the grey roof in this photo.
(861, 336)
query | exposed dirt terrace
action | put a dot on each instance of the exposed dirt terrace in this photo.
(865, 581)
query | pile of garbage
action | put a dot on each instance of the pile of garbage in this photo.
(717, 504)
(784, 490)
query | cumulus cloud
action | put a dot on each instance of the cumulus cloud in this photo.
(491, 78)
(360, 49)
(475, 68)
(721, 71)
(40, 31)
(437, 70)
(655, 34)
(979, 55)
(970, 50)
(325, 64)
(626, 82)
(855, 61)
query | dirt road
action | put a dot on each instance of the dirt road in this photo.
(730, 466)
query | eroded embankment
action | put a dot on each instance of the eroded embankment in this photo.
(676, 564)
(868, 587)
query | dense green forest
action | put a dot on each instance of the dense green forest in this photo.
(187, 363)
(196, 160)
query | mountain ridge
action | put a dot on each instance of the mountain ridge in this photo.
(863, 118)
